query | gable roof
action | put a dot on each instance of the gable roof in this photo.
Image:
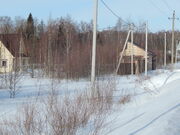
(149, 52)
(12, 43)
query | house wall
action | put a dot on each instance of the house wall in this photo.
(7, 56)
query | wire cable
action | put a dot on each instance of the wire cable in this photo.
(161, 11)
(167, 5)
(116, 15)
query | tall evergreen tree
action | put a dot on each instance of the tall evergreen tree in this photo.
(30, 29)
(30, 38)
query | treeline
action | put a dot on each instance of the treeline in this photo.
(63, 46)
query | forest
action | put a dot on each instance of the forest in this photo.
(62, 47)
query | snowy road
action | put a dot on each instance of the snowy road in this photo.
(160, 116)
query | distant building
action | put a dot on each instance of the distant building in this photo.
(12, 52)
(139, 60)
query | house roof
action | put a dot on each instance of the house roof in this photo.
(12, 43)
(149, 52)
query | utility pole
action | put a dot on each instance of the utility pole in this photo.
(172, 47)
(165, 49)
(118, 30)
(146, 48)
(132, 50)
(93, 68)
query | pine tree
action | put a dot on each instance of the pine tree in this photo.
(30, 30)
(30, 38)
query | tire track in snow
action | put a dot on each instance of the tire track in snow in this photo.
(134, 118)
(167, 79)
(155, 119)
(173, 127)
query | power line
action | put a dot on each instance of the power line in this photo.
(116, 15)
(161, 11)
(167, 5)
(113, 27)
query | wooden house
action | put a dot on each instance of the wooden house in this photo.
(138, 60)
(12, 52)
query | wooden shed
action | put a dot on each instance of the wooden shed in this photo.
(138, 60)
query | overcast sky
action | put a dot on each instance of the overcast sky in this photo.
(156, 12)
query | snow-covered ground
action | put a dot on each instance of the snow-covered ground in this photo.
(154, 108)
(157, 113)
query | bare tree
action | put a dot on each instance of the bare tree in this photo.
(13, 80)
(6, 25)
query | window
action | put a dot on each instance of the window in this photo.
(3, 63)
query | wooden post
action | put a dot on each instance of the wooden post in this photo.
(121, 55)
(132, 51)
(165, 49)
(146, 48)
